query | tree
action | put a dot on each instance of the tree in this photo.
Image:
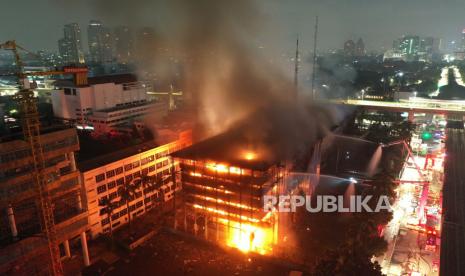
(353, 257)
(127, 193)
(108, 208)
(146, 182)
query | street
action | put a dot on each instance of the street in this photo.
(413, 235)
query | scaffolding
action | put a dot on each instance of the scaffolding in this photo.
(47, 189)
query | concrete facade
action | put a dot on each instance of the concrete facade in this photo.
(103, 180)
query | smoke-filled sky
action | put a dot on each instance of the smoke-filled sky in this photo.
(37, 24)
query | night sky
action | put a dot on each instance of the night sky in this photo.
(37, 24)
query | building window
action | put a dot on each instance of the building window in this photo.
(135, 164)
(139, 204)
(111, 185)
(152, 168)
(145, 171)
(136, 174)
(101, 189)
(105, 221)
(144, 161)
(110, 173)
(128, 178)
(100, 177)
(120, 181)
(128, 167)
(113, 195)
(119, 170)
(115, 216)
(123, 212)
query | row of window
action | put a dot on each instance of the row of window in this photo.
(120, 181)
(128, 167)
(123, 212)
(20, 154)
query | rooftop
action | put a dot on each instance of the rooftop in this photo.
(127, 106)
(116, 78)
(233, 148)
(18, 135)
(97, 153)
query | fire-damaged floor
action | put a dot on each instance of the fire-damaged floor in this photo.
(171, 253)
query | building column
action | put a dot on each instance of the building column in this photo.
(72, 161)
(79, 201)
(85, 251)
(411, 116)
(67, 250)
(12, 221)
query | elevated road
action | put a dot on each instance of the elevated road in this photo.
(453, 227)
(418, 105)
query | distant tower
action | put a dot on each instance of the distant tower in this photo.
(463, 40)
(349, 48)
(360, 48)
(70, 46)
(124, 44)
(296, 71)
(315, 39)
(100, 42)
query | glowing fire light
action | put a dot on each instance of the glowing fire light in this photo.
(223, 168)
(250, 155)
(247, 238)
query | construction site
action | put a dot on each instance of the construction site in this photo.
(41, 191)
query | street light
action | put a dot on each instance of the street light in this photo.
(414, 95)
(363, 93)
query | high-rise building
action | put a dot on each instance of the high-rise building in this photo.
(70, 46)
(124, 44)
(409, 45)
(426, 44)
(100, 42)
(360, 48)
(463, 40)
(145, 44)
(349, 47)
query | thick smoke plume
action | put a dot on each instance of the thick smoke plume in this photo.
(227, 80)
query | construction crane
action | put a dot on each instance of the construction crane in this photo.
(31, 130)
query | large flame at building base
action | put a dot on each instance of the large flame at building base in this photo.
(249, 238)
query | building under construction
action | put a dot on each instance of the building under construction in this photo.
(40, 188)
(23, 246)
(224, 179)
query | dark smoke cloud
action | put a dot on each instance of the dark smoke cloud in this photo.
(226, 78)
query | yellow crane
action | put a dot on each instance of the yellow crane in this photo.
(31, 129)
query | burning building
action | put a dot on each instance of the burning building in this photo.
(224, 179)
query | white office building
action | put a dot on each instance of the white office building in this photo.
(103, 175)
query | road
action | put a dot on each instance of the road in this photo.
(407, 251)
(453, 231)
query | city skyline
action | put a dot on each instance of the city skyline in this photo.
(280, 22)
